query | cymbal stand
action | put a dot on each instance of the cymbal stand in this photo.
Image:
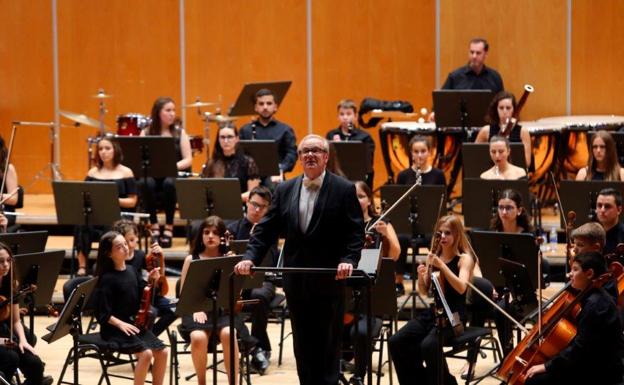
(53, 165)
(102, 110)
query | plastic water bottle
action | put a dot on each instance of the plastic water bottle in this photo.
(553, 239)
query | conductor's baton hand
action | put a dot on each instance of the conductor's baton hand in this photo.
(243, 267)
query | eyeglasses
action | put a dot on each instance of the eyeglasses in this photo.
(506, 208)
(257, 206)
(227, 137)
(311, 150)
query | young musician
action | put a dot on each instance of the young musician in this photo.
(347, 131)
(229, 161)
(199, 326)
(588, 237)
(502, 123)
(603, 161)
(383, 236)
(420, 155)
(416, 343)
(593, 355)
(136, 258)
(9, 194)
(608, 210)
(164, 123)
(108, 168)
(117, 301)
(22, 355)
(502, 169)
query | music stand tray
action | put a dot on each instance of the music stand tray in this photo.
(26, 242)
(580, 197)
(200, 198)
(244, 104)
(264, 153)
(42, 268)
(480, 197)
(153, 156)
(354, 158)
(72, 198)
(427, 212)
(476, 158)
(490, 246)
(461, 108)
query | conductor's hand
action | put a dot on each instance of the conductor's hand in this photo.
(243, 267)
(344, 270)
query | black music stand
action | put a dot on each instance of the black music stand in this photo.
(70, 322)
(244, 104)
(147, 156)
(26, 242)
(476, 158)
(42, 270)
(85, 203)
(238, 247)
(461, 108)
(580, 197)
(480, 197)
(206, 288)
(354, 159)
(264, 153)
(200, 198)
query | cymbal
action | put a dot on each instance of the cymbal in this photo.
(220, 118)
(102, 95)
(199, 104)
(81, 118)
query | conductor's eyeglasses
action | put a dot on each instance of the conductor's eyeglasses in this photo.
(311, 150)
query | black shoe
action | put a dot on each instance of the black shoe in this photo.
(259, 361)
(47, 380)
(347, 367)
(355, 380)
(400, 289)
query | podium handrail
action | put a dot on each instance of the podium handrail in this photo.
(356, 273)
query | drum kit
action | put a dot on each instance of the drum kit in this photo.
(132, 124)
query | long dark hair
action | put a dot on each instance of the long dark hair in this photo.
(492, 114)
(5, 247)
(523, 220)
(215, 168)
(155, 127)
(4, 153)
(198, 242)
(371, 208)
(104, 262)
(118, 154)
(612, 166)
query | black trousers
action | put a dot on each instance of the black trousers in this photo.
(358, 341)
(260, 313)
(417, 343)
(29, 364)
(316, 322)
(166, 186)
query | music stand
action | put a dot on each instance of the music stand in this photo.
(26, 242)
(244, 104)
(70, 322)
(264, 153)
(476, 158)
(200, 198)
(354, 158)
(422, 198)
(147, 156)
(580, 197)
(461, 108)
(478, 210)
(42, 270)
(206, 288)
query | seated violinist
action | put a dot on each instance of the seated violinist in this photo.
(592, 357)
(502, 169)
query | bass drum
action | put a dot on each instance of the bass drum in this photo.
(131, 124)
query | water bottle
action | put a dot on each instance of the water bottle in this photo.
(553, 239)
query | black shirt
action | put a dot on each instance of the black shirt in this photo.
(280, 132)
(238, 166)
(434, 177)
(464, 78)
(514, 135)
(615, 235)
(240, 230)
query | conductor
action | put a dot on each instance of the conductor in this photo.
(319, 214)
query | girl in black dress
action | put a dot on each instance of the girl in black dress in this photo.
(603, 160)
(229, 161)
(165, 123)
(108, 168)
(117, 301)
(199, 325)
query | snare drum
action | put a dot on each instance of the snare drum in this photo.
(197, 143)
(131, 124)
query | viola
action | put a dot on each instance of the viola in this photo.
(5, 303)
(144, 319)
(152, 261)
(557, 331)
(224, 242)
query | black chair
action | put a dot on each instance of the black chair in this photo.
(468, 345)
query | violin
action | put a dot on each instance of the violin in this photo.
(224, 242)
(5, 303)
(152, 261)
(557, 331)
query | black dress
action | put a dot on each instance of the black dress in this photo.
(514, 135)
(119, 294)
(85, 235)
(435, 176)
(238, 165)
